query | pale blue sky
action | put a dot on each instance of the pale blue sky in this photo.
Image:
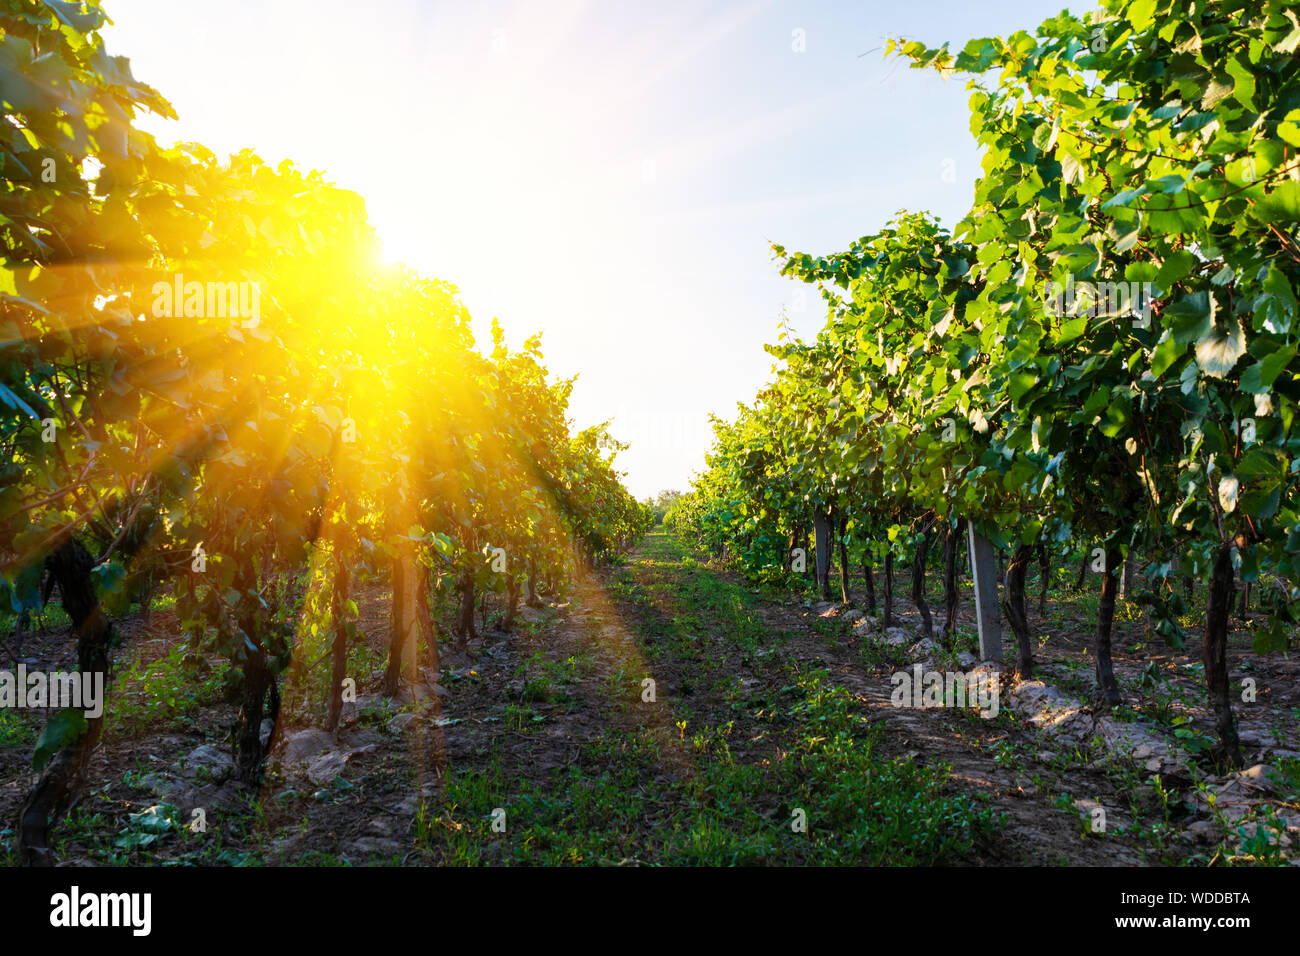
(608, 173)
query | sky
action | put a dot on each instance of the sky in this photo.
(609, 174)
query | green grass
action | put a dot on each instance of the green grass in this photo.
(861, 807)
(166, 691)
(13, 732)
(700, 794)
(53, 617)
(548, 681)
(153, 836)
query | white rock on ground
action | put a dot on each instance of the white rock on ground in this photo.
(376, 846)
(1061, 716)
(924, 649)
(327, 766)
(209, 761)
(1050, 710)
(895, 636)
(204, 780)
(866, 625)
(185, 795)
(1086, 805)
(302, 744)
(412, 693)
(1055, 713)
(1259, 777)
(317, 755)
(406, 721)
(407, 806)
(1240, 793)
(1204, 831)
(1124, 737)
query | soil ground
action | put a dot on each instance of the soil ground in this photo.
(664, 711)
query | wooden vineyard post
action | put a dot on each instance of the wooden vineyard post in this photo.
(1126, 581)
(984, 571)
(822, 545)
(410, 624)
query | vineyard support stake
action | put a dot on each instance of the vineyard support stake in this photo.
(984, 571)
